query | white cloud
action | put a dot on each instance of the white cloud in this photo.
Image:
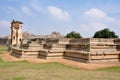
(88, 29)
(26, 10)
(94, 26)
(96, 19)
(58, 13)
(97, 15)
(4, 23)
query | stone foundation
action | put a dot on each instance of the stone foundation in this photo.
(85, 50)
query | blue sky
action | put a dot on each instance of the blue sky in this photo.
(41, 17)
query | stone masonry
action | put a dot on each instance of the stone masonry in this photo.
(16, 33)
(84, 49)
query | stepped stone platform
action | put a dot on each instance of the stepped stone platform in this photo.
(86, 49)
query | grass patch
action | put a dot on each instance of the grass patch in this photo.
(23, 70)
(112, 69)
(66, 66)
(11, 64)
(3, 48)
(19, 78)
(1, 60)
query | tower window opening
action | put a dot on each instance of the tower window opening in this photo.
(14, 37)
(20, 40)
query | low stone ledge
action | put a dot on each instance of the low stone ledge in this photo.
(56, 51)
(78, 44)
(75, 51)
(76, 59)
(45, 54)
(30, 50)
(105, 53)
(104, 60)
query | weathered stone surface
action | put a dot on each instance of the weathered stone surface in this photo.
(16, 33)
(77, 49)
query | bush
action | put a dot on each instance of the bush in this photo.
(73, 34)
(105, 33)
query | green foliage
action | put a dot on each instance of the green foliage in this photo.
(73, 34)
(105, 33)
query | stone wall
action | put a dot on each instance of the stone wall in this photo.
(104, 49)
(53, 48)
(78, 49)
(78, 44)
(86, 50)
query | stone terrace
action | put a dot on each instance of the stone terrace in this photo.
(85, 49)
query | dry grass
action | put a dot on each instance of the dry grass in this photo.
(23, 70)
(3, 48)
(53, 71)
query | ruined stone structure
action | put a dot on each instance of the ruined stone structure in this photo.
(85, 49)
(16, 33)
(94, 50)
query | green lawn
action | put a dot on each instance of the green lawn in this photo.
(24, 70)
(112, 69)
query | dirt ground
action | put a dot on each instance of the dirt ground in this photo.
(89, 66)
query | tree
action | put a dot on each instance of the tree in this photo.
(105, 33)
(73, 34)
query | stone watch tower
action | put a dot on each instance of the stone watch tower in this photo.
(16, 33)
